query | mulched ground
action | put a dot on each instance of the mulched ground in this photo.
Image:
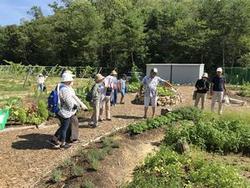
(25, 156)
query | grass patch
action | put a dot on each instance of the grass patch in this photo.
(56, 176)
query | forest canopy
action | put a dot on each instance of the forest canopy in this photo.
(118, 33)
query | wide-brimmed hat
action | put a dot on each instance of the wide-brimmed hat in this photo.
(205, 75)
(67, 77)
(113, 72)
(99, 78)
(154, 70)
(219, 69)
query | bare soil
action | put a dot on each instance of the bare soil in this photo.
(117, 168)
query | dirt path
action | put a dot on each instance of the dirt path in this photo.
(25, 156)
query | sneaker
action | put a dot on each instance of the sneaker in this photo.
(54, 143)
(65, 146)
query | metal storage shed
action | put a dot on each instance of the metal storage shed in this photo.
(178, 73)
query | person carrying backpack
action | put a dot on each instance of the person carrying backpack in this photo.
(97, 91)
(67, 106)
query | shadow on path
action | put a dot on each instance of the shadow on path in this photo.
(33, 141)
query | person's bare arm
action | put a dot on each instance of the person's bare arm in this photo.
(141, 88)
(211, 89)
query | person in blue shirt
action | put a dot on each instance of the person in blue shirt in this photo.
(218, 90)
(122, 87)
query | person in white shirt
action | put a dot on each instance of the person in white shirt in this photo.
(41, 82)
(150, 84)
(69, 103)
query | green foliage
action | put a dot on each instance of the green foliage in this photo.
(134, 75)
(163, 91)
(170, 169)
(88, 184)
(216, 135)
(134, 87)
(42, 109)
(76, 171)
(56, 176)
(120, 33)
(187, 113)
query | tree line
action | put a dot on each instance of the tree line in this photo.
(118, 33)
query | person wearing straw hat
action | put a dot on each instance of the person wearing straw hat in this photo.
(69, 103)
(202, 87)
(97, 99)
(150, 84)
(218, 90)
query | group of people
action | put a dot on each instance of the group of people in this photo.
(216, 87)
(103, 93)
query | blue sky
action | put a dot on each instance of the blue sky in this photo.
(11, 11)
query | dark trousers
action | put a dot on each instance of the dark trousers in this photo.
(114, 97)
(73, 130)
(62, 131)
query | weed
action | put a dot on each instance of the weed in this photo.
(77, 171)
(88, 184)
(56, 176)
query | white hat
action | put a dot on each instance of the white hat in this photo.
(205, 75)
(219, 69)
(155, 70)
(67, 77)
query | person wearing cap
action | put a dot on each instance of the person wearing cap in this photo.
(150, 84)
(217, 90)
(97, 92)
(69, 103)
(41, 82)
(202, 87)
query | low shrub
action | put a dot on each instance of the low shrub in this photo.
(134, 87)
(188, 113)
(217, 135)
(170, 169)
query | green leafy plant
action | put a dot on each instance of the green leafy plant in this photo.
(43, 110)
(56, 176)
(170, 169)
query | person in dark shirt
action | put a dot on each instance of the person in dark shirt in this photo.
(202, 87)
(218, 90)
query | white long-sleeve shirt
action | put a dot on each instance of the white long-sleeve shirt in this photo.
(68, 100)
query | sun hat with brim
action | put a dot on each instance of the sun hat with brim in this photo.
(219, 69)
(205, 75)
(113, 72)
(99, 78)
(67, 77)
(154, 70)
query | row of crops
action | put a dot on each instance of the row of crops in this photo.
(192, 135)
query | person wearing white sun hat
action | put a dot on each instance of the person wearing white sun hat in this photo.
(218, 90)
(150, 84)
(202, 87)
(69, 103)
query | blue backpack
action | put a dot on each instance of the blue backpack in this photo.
(53, 100)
